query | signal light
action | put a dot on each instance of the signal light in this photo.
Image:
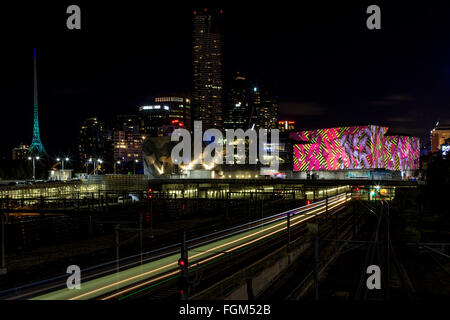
(182, 285)
(308, 202)
(182, 262)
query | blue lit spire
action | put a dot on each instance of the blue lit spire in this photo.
(36, 147)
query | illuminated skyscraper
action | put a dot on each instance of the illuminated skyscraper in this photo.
(152, 117)
(236, 111)
(179, 109)
(207, 68)
(265, 108)
(93, 140)
(127, 139)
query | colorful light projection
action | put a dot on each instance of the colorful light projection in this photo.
(401, 153)
(357, 147)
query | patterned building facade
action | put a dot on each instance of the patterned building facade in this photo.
(356, 147)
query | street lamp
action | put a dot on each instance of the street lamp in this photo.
(134, 166)
(95, 163)
(62, 162)
(34, 165)
(87, 165)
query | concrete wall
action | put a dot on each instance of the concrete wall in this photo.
(262, 274)
(262, 280)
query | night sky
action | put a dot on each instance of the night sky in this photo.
(326, 67)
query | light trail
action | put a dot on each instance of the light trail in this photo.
(339, 202)
(252, 225)
(164, 267)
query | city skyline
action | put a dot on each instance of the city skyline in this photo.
(259, 153)
(380, 80)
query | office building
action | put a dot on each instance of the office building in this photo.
(151, 117)
(128, 139)
(179, 109)
(21, 152)
(438, 135)
(207, 66)
(237, 108)
(264, 106)
(93, 140)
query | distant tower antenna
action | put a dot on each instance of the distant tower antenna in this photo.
(36, 147)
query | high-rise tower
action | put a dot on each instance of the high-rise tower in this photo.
(207, 68)
(237, 109)
(264, 108)
(36, 147)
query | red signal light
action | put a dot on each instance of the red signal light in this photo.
(181, 262)
(308, 202)
(183, 285)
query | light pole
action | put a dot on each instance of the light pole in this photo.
(62, 162)
(116, 163)
(134, 166)
(99, 161)
(87, 167)
(95, 163)
(34, 165)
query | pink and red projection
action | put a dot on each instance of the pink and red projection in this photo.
(359, 147)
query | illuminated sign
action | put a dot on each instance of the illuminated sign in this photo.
(156, 107)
